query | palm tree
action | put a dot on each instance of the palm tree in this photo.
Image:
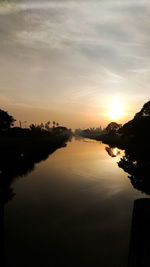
(47, 124)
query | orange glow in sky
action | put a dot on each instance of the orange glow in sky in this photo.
(81, 72)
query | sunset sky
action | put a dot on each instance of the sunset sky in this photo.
(68, 61)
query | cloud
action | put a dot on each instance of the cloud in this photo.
(74, 51)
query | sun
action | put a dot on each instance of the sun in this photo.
(116, 110)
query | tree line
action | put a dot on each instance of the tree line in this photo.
(135, 130)
(7, 127)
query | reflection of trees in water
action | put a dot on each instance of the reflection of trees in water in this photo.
(15, 164)
(17, 161)
(137, 164)
(112, 151)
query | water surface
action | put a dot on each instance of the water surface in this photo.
(73, 209)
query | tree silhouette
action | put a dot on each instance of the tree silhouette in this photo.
(47, 125)
(139, 127)
(112, 127)
(6, 120)
(144, 112)
(36, 128)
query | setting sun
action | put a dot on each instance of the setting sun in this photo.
(116, 110)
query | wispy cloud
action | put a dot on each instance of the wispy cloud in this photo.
(82, 51)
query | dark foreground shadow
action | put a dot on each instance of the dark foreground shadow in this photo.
(139, 252)
(14, 164)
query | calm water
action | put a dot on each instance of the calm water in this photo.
(73, 209)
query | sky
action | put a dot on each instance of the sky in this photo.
(68, 60)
